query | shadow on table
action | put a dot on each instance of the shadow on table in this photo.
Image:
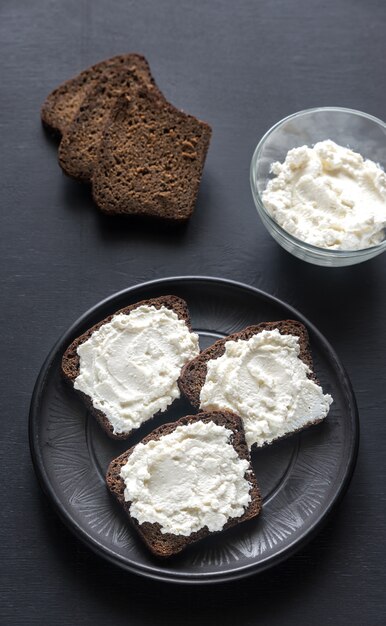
(78, 198)
(335, 299)
(263, 598)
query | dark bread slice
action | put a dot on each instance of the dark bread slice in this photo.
(168, 544)
(79, 147)
(151, 159)
(193, 374)
(71, 361)
(61, 105)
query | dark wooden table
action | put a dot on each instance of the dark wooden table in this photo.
(242, 66)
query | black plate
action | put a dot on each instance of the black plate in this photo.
(301, 478)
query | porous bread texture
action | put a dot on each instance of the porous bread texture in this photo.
(78, 150)
(71, 361)
(63, 103)
(194, 373)
(167, 544)
(150, 159)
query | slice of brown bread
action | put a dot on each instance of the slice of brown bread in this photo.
(79, 147)
(71, 361)
(193, 374)
(168, 544)
(150, 160)
(61, 105)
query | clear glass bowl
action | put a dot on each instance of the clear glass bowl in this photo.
(360, 132)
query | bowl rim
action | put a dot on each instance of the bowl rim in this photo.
(299, 243)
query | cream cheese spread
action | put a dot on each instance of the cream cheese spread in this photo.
(129, 367)
(187, 479)
(265, 382)
(328, 196)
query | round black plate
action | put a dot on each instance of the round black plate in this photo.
(301, 478)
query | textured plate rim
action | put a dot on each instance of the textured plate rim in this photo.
(152, 571)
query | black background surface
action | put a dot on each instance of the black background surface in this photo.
(241, 66)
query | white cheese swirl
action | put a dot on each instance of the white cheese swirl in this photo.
(328, 196)
(265, 382)
(129, 367)
(187, 479)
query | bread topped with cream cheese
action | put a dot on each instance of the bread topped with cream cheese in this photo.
(126, 367)
(265, 374)
(186, 480)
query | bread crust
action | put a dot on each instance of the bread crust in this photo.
(62, 104)
(167, 544)
(70, 361)
(79, 147)
(141, 154)
(150, 159)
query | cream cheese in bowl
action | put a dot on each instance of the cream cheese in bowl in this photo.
(319, 185)
(328, 196)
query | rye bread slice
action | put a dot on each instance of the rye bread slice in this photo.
(193, 374)
(167, 544)
(79, 147)
(71, 361)
(150, 160)
(61, 105)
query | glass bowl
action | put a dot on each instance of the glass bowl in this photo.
(360, 132)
